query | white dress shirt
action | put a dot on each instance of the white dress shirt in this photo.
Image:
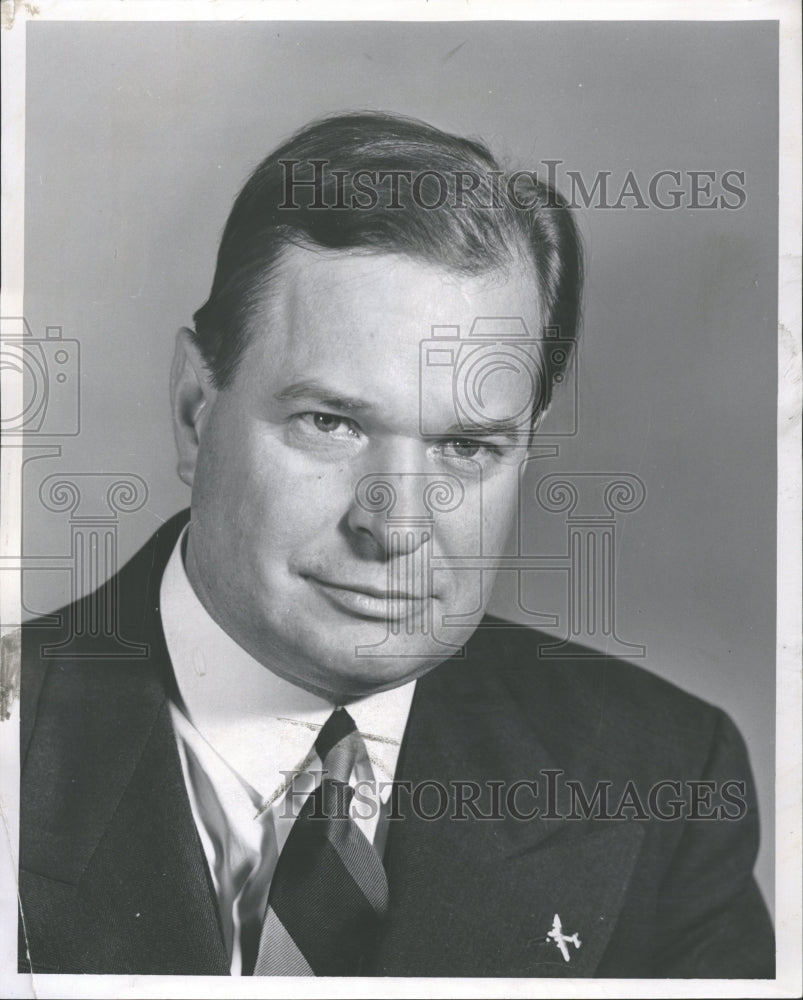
(246, 742)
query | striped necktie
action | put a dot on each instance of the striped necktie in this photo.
(329, 890)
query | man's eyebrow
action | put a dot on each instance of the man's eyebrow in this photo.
(323, 394)
(513, 429)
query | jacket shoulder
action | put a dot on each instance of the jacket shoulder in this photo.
(602, 702)
(101, 642)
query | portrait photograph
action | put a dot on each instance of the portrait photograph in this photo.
(400, 572)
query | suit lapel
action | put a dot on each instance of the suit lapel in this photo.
(478, 897)
(149, 871)
(110, 840)
(131, 858)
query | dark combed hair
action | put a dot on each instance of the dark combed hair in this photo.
(477, 229)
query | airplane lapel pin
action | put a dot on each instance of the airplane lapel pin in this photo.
(563, 940)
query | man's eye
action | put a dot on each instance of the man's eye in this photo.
(316, 423)
(464, 448)
(327, 423)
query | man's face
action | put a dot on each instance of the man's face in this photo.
(320, 538)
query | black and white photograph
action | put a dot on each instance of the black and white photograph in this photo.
(400, 572)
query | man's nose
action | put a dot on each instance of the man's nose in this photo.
(398, 508)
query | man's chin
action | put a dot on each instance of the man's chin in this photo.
(369, 668)
(339, 655)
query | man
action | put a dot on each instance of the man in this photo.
(329, 762)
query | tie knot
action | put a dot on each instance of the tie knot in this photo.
(338, 731)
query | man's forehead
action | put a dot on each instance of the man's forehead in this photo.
(347, 297)
(367, 335)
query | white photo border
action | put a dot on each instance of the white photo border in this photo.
(15, 16)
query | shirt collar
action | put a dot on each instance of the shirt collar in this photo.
(260, 724)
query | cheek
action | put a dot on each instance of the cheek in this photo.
(266, 499)
(482, 522)
(499, 508)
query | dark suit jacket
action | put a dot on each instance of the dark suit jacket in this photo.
(113, 878)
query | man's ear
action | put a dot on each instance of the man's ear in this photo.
(191, 396)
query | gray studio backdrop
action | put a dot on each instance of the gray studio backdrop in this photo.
(139, 136)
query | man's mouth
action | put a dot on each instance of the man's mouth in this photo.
(369, 601)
